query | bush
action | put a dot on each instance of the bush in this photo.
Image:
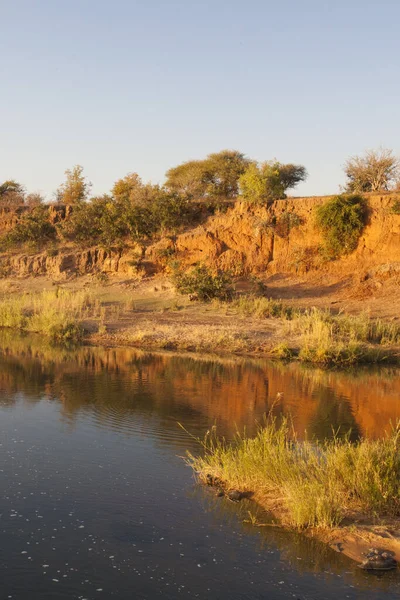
(201, 284)
(286, 222)
(396, 207)
(33, 227)
(342, 220)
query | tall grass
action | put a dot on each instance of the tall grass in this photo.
(56, 313)
(342, 339)
(307, 484)
(262, 307)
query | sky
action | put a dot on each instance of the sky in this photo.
(122, 86)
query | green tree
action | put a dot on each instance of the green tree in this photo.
(76, 187)
(190, 178)
(215, 176)
(224, 170)
(33, 227)
(377, 170)
(270, 180)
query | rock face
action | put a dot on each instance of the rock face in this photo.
(70, 263)
(245, 240)
(260, 240)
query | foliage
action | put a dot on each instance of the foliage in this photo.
(131, 190)
(342, 220)
(286, 222)
(76, 187)
(377, 170)
(396, 207)
(270, 180)
(215, 176)
(124, 189)
(111, 222)
(188, 178)
(33, 228)
(308, 483)
(12, 194)
(201, 284)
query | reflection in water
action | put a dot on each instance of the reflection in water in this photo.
(114, 384)
(96, 503)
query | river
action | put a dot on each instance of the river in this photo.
(96, 501)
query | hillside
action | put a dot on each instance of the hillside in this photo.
(280, 245)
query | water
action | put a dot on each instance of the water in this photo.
(96, 501)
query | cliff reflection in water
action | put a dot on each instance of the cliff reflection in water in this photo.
(115, 385)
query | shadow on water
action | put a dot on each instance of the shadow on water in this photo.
(91, 446)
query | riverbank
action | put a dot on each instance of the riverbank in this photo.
(151, 315)
(342, 493)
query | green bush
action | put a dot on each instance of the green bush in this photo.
(396, 207)
(342, 220)
(201, 284)
(33, 228)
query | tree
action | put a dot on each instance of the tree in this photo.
(34, 199)
(190, 178)
(12, 193)
(376, 171)
(216, 175)
(124, 189)
(76, 187)
(270, 180)
(131, 190)
(224, 170)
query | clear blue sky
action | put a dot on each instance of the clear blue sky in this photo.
(125, 85)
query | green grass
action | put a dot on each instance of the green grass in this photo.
(57, 313)
(307, 484)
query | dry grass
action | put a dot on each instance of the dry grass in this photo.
(57, 313)
(308, 484)
(342, 339)
(199, 338)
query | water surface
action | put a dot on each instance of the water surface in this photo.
(96, 501)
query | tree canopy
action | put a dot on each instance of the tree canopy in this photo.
(377, 170)
(270, 180)
(76, 187)
(217, 175)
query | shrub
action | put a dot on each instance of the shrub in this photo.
(396, 207)
(286, 222)
(342, 220)
(202, 284)
(33, 227)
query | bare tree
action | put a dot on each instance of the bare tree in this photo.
(376, 171)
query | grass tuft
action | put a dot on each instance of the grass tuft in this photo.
(308, 484)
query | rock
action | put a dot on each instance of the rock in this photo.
(235, 495)
(379, 560)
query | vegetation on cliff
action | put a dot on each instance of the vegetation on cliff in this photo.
(342, 220)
